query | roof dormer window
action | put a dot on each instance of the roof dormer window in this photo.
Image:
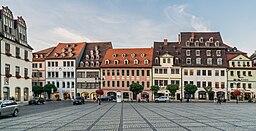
(97, 57)
(71, 54)
(67, 45)
(143, 55)
(82, 64)
(207, 43)
(133, 55)
(123, 55)
(56, 54)
(197, 43)
(96, 47)
(36, 55)
(63, 50)
(107, 62)
(126, 61)
(86, 64)
(91, 52)
(188, 43)
(114, 55)
(211, 40)
(63, 54)
(201, 40)
(70, 49)
(217, 43)
(116, 62)
(136, 62)
(92, 64)
(87, 57)
(92, 57)
(191, 39)
(146, 62)
(97, 63)
(97, 52)
(74, 45)
(42, 56)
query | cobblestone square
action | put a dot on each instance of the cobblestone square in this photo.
(138, 117)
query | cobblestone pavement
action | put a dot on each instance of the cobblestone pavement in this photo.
(139, 117)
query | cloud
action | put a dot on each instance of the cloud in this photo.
(181, 17)
(65, 35)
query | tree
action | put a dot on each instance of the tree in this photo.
(136, 88)
(172, 89)
(154, 90)
(190, 89)
(49, 88)
(208, 90)
(37, 90)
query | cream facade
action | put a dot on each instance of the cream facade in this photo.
(241, 76)
(167, 74)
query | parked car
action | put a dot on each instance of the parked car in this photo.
(162, 99)
(36, 101)
(106, 98)
(8, 107)
(78, 101)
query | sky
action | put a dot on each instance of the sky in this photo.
(134, 23)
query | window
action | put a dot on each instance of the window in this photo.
(64, 63)
(17, 70)
(233, 64)
(231, 73)
(80, 74)
(198, 60)
(219, 61)
(169, 60)
(106, 62)
(57, 74)
(208, 52)
(68, 63)
(216, 72)
(103, 72)
(165, 82)
(244, 73)
(132, 72)
(116, 62)
(204, 72)
(126, 62)
(108, 72)
(209, 83)
(231, 85)
(63, 84)
(204, 84)
(7, 48)
(238, 73)
(17, 52)
(191, 72)
(188, 43)
(56, 63)
(197, 43)
(113, 84)
(198, 84)
(156, 71)
(218, 52)
(249, 73)
(222, 85)
(108, 83)
(197, 52)
(25, 54)
(128, 83)
(238, 63)
(160, 71)
(138, 72)
(127, 72)
(49, 74)
(40, 65)
(143, 84)
(156, 60)
(122, 72)
(209, 72)
(188, 61)
(209, 61)
(40, 74)
(52, 64)
(64, 74)
(185, 83)
(216, 84)
(72, 75)
(244, 85)
(146, 62)
(185, 72)
(148, 84)
(7, 69)
(165, 71)
(72, 63)
(222, 73)
(148, 72)
(217, 43)
(122, 83)
(198, 72)
(117, 72)
(136, 62)
(92, 74)
(156, 82)
(142, 73)
(164, 60)
(249, 85)
(118, 83)
(187, 52)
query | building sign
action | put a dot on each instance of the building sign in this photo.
(6, 81)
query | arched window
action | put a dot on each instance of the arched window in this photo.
(26, 94)
(123, 55)
(217, 43)
(116, 62)
(107, 62)
(126, 61)
(146, 62)
(63, 85)
(17, 94)
(136, 62)
(6, 92)
(68, 85)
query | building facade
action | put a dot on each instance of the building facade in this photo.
(16, 58)
(88, 70)
(166, 67)
(61, 66)
(122, 67)
(203, 61)
(38, 67)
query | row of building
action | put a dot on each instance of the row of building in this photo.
(199, 58)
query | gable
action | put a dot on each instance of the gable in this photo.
(240, 57)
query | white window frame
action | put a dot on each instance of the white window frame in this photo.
(198, 61)
(218, 53)
(136, 62)
(188, 61)
(198, 52)
(126, 61)
(219, 61)
(188, 52)
(209, 61)
(116, 62)
(197, 43)
(107, 62)
(217, 43)
(208, 52)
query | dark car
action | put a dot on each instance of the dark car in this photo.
(78, 101)
(36, 101)
(106, 98)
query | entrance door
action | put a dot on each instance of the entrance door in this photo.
(178, 96)
(211, 96)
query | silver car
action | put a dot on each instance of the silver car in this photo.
(8, 107)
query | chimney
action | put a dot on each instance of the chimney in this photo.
(179, 39)
(165, 42)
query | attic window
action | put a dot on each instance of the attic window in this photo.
(67, 45)
(188, 43)
(74, 45)
(82, 64)
(63, 54)
(86, 63)
(106, 62)
(97, 57)
(92, 64)
(116, 62)
(56, 54)
(217, 43)
(96, 47)
(126, 61)
(97, 52)
(211, 39)
(97, 64)
(92, 57)
(36, 56)
(191, 39)
(87, 57)
(207, 43)
(201, 40)
(132, 55)
(123, 55)
(197, 43)
(42, 56)
(156, 60)
(143, 55)
(70, 49)
(114, 55)
(136, 62)
(91, 52)
(71, 54)
(63, 50)
(146, 62)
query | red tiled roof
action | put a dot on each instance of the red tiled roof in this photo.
(42, 54)
(231, 56)
(148, 52)
(44, 51)
(66, 50)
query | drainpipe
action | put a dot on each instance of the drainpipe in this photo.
(1, 67)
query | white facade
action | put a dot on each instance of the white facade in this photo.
(204, 77)
(19, 82)
(167, 74)
(62, 73)
(38, 73)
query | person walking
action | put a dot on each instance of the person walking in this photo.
(99, 100)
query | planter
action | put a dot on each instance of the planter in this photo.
(26, 59)
(8, 75)
(18, 76)
(18, 57)
(26, 77)
(8, 54)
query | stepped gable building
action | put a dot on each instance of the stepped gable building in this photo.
(121, 67)
(241, 74)
(166, 66)
(61, 66)
(203, 59)
(88, 70)
(38, 66)
(16, 58)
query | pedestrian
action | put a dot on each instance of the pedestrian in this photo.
(219, 100)
(94, 99)
(99, 100)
